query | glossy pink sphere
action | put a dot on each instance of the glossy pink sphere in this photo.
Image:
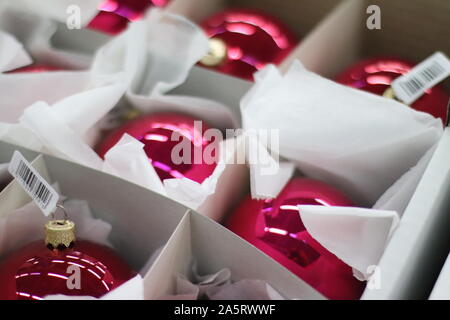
(155, 131)
(252, 38)
(36, 271)
(275, 227)
(35, 68)
(115, 15)
(376, 75)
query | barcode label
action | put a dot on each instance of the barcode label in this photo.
(411, 86)
(31, 181)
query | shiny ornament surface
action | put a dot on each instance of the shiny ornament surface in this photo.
(35, 271)
(275, 227)
(35, 68)
(115, 15)
(244, 41)
(376, 75)
(155, 132)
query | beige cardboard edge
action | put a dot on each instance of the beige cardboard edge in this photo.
(333, 43)
(412, 255)
(13, 196)
(214, 247)
(195, 10)
(175, 257)
(441, 290)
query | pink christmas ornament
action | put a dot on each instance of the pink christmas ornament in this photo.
(275, 226)
(155, 131)
(115, 15)
(243, 41)
(376, 75)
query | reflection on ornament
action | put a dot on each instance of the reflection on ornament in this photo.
(275, 227)
(160, 133)
(376, 75)
(115, 15)
(61, 265)
(243, 41)
(35, 68)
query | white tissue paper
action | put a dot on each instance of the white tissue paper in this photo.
(156, 54)
(219, 286)
(399, 194)
(357, 236)
(12, 53)
(62, 112)
(369, 147)
(356, 141)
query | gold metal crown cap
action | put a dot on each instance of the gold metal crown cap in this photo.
(389, 93)
(217, 53)
(59, 232)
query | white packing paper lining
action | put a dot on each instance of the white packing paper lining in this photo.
(152, 71)
(398, 195)
(357, 141)
(357, 236)
(219, 286)
(12, 53)
(157, 54)
(62, 109)
(369, 147)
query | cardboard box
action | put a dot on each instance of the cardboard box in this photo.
(412, 259)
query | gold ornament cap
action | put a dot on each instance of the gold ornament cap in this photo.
(131, 114)
(390, 94)
(217, 53)
(59, 232)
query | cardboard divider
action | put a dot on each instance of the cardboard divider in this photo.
(142, 221)
(175, 258)
(441, 290)
(301, 16)
(213, 248)
(13, 196)
(412, 260)
(343, 38)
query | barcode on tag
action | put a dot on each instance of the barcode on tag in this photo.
(411, 86)
(31, 181)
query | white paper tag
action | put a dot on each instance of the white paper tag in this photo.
(411, 86)
(31, 181)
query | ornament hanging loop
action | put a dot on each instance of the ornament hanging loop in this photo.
(61, 207)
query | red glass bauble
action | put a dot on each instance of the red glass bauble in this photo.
(36, 271)
(115, 15)
(376, 75)
(275, 227)
(35, 68)
(155, 131)
(251, 40)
